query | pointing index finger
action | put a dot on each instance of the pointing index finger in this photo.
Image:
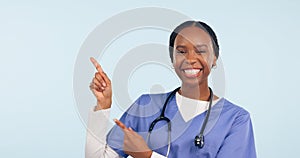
(120, 124)
(96, 64)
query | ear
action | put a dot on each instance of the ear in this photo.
(215, 61)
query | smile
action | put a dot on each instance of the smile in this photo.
(192, 72)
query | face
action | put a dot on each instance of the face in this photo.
(193, 56)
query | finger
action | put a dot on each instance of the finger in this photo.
(98, 84)
(95, 88)
(106, 79)
(100, 70)
(100, 78)
(120, 124)
(130, 129)
(96, 64)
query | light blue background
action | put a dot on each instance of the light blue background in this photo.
(39, 42)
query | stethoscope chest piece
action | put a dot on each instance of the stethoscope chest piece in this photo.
(199, 141)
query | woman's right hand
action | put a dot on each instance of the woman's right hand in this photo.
(101, 87)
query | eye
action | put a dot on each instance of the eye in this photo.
(180, 51)
(200, 51)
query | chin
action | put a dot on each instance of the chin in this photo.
(193, 82)
(190, 83)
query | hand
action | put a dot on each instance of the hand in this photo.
(134, 144)
(101, 87)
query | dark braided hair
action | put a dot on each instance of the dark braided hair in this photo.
(202, 26)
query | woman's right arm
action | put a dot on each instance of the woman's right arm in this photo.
(96, 146)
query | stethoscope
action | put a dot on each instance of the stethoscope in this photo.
(199, 139)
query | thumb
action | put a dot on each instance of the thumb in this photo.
(130, 129)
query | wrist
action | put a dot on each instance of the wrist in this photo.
(101, 106)
(97, 108)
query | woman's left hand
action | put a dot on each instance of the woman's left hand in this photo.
(134, 144)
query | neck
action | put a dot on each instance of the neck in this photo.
(199, 92)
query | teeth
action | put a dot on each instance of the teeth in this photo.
(191, 71)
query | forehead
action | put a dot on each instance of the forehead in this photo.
(192, 35)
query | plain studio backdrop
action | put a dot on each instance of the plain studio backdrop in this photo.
(40, 41)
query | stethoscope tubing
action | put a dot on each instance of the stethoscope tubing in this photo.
(199, 139)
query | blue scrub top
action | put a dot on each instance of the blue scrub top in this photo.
(228, 133)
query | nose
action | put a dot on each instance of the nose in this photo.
(190, 57)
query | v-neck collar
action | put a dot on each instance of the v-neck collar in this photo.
(190, 108)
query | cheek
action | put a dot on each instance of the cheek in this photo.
(177, 58)
(176, 63)
(208, 59)
(211, 57)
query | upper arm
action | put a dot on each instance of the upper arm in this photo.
(239, 142)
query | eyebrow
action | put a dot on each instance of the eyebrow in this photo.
(197, 46)
(180, 46)
(201, 45)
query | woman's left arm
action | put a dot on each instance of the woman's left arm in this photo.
(240, 140)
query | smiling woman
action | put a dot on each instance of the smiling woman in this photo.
(193, 59)
(177, 127)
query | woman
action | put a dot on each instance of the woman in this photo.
(201, 124)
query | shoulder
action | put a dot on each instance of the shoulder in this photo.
(150, 99)
(230, 117)
(233, 112)
(236, 114)
(229, 106)
(148, 104)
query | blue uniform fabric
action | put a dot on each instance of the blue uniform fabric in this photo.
(228, 134)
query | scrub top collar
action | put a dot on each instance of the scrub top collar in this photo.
(190, 108)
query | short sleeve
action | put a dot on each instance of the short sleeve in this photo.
(240, 140)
